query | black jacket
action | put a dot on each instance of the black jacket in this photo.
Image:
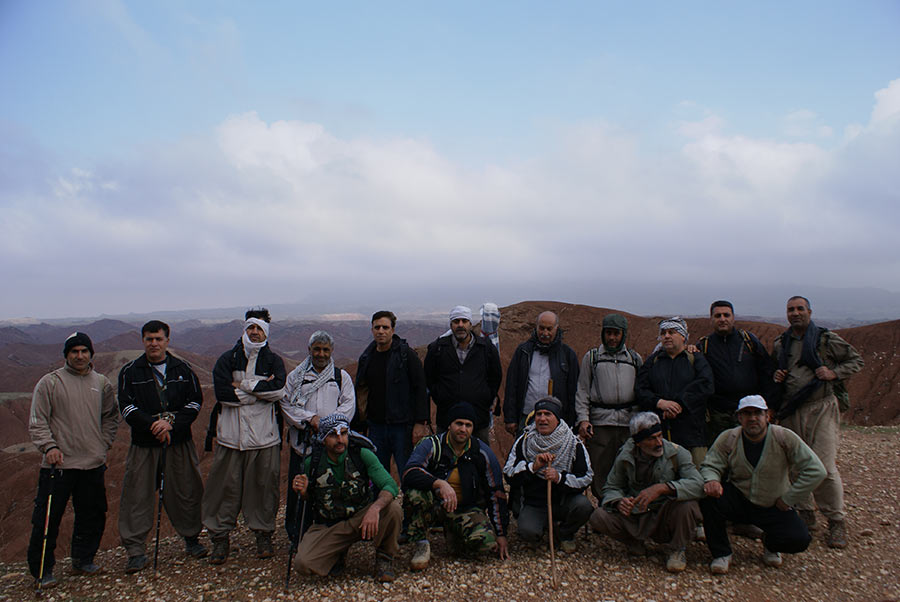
(140, 403)
(476, 380)
(533, 488)
(680, 380)
(267, 364)
(406, 399)
(564, 368)
(739, 367)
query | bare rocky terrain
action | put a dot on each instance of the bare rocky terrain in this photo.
(869, 461)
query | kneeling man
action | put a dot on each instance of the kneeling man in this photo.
(650, 493)
(338, 486)
(757, 458)
(548, 450)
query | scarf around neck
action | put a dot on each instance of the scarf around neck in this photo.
(562, 443)
(299, 399)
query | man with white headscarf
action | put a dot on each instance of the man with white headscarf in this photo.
(463, 367)
(548, 450)
(249, 381)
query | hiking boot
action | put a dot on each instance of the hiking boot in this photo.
(264, 547)
(81, 567)
(699, 533)
(220, 550)
(568, 546)
(837, 534)
(747, 530)
(384, 570)
(48, 581)
(809, 517)
(676, 561)
(193, 547)
(719, 566)
(771, 558)
(421, 556)
(636, 548)
(135, 564)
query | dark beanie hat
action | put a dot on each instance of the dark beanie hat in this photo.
(463, 410)
(551, 404)
(75, 339)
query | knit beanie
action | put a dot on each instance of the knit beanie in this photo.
(75, 339)
(461, 411)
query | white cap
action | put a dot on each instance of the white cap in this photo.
(461, 311)
(752, 401)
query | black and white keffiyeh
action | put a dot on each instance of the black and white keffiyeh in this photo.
(299, 399)
(562, 443)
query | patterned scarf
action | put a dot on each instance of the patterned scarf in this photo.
(305, 367)
(562, 442)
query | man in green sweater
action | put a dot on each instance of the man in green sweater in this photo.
(337, 483)
(757, 459)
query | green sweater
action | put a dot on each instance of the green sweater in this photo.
(783, 452)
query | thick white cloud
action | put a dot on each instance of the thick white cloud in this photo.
(286, 210)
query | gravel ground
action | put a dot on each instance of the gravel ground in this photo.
(869, 569)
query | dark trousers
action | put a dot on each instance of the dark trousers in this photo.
(569, 515)
(392, 440)
(784, 530)
(88, 493)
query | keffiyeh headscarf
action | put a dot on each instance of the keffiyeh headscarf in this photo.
(674, 323)
(250, 346)
(333, 423)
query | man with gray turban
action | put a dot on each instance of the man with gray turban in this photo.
(462, 367)
(676, 384)
(548, 450)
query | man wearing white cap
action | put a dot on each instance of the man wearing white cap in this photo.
(249, 382)
(462, 367)
(757, 459)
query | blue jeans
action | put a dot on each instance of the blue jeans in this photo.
(392, 440)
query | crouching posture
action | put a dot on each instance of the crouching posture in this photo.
(548, 451)
(650, 493)
(757, 458)
(337, 485)
(450, 480)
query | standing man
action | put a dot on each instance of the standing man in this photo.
(159, 397)
(73, 423)
(391, 395)
(249, 381)
(316, 388)
(676, 383)
(548, 450)
(536, 362)
(812, 362)
(462, 367)
(754, 474)
(740, 364)
(605, 400)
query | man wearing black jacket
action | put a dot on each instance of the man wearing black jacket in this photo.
(462, 367)
(676, 384)
(159, 397)
(542, 359)
(740, 364)
(390, 393)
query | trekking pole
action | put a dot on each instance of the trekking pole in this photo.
(40, 582)
(162, 482)
(295, 544)
(550, 526)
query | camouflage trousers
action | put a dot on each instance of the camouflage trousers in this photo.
(467, 532)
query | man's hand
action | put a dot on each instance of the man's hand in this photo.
(646, 497)
(552, 475)
(300, 484)
(447, 494)
(825, 373)
(314, 423)
(369, 527)
(779, 503)
(542, 460)
(511, 427)
(55, 457)
(160, 429)
(670, 409)
(625, 505)
(419, 432)
(692, 348)
(585, 430)
(779, 376)
(713, 489)
(503, 548)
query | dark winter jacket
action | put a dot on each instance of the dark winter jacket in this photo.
(680, 380)
(406, 399)
(475, 381)
(564, 369)
(737, 370)
(141, 406)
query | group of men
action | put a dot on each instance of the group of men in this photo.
(665, 444)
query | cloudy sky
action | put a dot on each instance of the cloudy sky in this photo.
(176, 155)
